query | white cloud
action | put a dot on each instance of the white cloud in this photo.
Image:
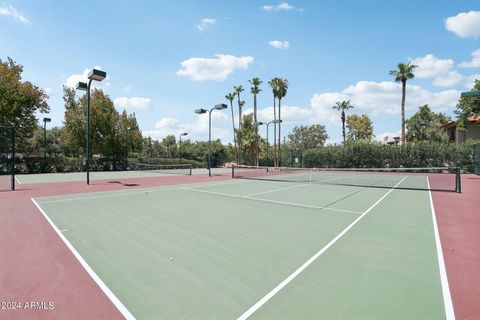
(442, 70)
(198, 130)
(449, 79)
(134, 102)
(429, 66)
(464, 24)
(12, 12)
(206, 23)
(377, 98)
(475, 63)
(219, 68)
(74, 79)
(48, 91)
(278, 44)
(280, 7)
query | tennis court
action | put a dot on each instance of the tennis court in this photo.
(263, 249)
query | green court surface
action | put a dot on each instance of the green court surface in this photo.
(259, 249)
(101, 175)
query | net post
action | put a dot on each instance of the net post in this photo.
(233, 171)
(190, 170)
(13, 156)
(458, 180)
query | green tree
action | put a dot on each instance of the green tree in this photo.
(467, 107)
(255, 89)
(402, 74)
(250, 138)
(239, 89)
(230, 98)
(425, 125)
(108, 129)
(170, 144)
(343, 106)
(307, 137)
(282, 92)
(275, 90)
(20, 101)
(359, 127)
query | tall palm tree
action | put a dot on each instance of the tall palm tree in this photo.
(230, 98)
(239, 89)
(342, 106)
(255, 89)
(274, 85)
(282, 92)
(402, 74)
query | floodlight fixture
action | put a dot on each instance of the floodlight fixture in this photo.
(82, 86)
(97, 75)
(201, 111)
(220, 106)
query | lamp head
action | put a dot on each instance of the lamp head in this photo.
(47, 119)
(258, 123)
(220, 106)
(82, 86)
(97, 75)
(184, 134)
(200, 111)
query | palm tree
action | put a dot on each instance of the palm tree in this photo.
(239, 89)
(402, 74)
(230, 98)
(255, 89)
(282, 92)
(343, 106)
(274, 85)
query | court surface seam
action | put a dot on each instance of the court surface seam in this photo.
(306, 206)
(116, 302)
(292, 276)
(447, 299)
(275, 190)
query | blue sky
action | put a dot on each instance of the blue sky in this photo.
(166, 58)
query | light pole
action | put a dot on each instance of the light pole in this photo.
(96, 75)
(45, 120)
(220, 106)
(268, 123)
(257, 124)
(126, 147)
(180, 145)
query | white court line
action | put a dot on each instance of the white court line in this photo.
(290, 278)
(16, 179)
(87, 268)
(270, 201)
(275, 190)
(447, 299)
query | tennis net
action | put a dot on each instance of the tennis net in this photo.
(179, 169)
(439, 178)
